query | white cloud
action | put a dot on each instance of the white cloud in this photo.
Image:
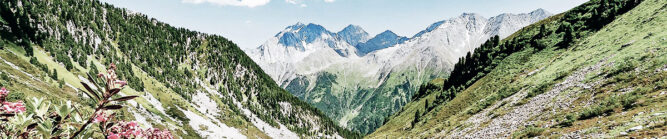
(292, 1)
(247, 3)
(300, 2)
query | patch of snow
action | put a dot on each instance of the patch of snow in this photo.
(139, 118)
(19, 69)
(282, 132)
(205, 105)
(70, 85)
(141, 114)
(156, 103)
(286, 108)
(207, 129)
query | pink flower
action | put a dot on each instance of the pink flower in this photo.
(127, 130)
(132, 124)
(100, 117)
(113, 136)
(132, 130)
(154, 133)
(3, 93)
(13, 107)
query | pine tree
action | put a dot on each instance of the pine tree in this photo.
(426, 105)
(92, 69)
(417, 115)
(568, 38)
(27, 47)
(54, 74)
(543, 31)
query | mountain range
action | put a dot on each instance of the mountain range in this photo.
(353, 78)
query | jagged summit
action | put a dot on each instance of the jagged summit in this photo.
(352, 29)
(299, 34)
(353, 35)
(380, 41)
(540, 11)
(471, 16)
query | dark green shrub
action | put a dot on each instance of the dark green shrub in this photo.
(538, 90)
(625, 65)
(625, 101)
(15, 96)
(569, 119)
(529, 132)
(178, 114)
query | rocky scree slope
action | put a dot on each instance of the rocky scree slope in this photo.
(595, 71)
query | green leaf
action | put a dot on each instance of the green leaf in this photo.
(77, 118)
(113, 107)
(90, 78)
(42, 109)
(126, 98)
(91, 91)
(31, 126)
(114, 91)
(109, 125)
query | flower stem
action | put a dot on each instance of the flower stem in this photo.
(90, 120)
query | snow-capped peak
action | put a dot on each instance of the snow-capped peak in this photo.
(471, 16)
(383, 40)
(300, 35)
(540, 11)
(296, 26)
(353, 35)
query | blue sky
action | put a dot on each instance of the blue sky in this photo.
(249, 23)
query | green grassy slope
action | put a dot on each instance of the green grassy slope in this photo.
(608, 83)
(367, 102)
(170, 68)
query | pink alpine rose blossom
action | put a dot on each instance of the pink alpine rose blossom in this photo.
(132, 130)
(100, 117)
(13, 107)
(3, 93)
(113, 136)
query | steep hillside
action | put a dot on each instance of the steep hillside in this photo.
(195, 85)
(596, 71)
(359, 86)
